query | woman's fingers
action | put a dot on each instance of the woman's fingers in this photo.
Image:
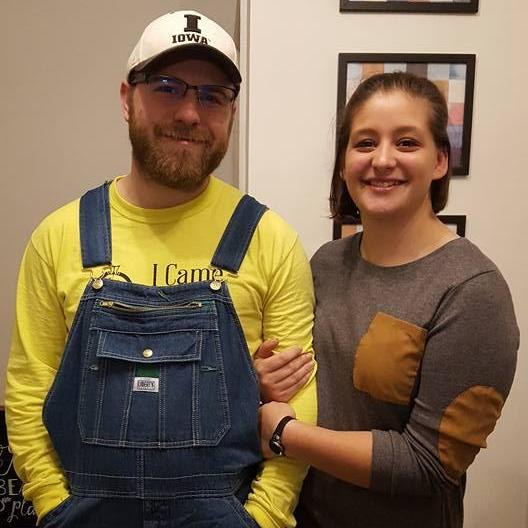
(282, 375)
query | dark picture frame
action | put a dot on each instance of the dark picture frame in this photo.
(410, 6)
(454, 74)
(456, 222)
(351, 225)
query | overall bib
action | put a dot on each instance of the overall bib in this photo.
(154, 410)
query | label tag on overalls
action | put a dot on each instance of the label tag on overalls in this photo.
(146, 385)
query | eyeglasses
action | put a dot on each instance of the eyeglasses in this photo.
(211, 97)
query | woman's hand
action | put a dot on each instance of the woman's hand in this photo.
(281, 375)
(270, 415)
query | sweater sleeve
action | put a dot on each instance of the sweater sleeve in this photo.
(466, 374)
(38, 340)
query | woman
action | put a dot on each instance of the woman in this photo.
(415, 331)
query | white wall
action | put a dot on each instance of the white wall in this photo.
(61, 130)
(292, 102)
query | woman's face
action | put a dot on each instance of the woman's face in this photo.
(391, 158)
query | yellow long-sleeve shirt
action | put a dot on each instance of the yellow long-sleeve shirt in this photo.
(272, 294)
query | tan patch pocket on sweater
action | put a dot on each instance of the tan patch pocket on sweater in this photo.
(388, 358)
(465, 425)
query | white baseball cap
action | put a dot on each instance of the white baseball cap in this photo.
(189, 32)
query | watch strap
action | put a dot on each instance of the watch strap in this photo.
(275, 442)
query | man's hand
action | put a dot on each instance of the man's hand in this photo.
(281, 375)
(270, 415)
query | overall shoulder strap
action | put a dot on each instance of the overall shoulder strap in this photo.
(237, 236)
(94, 226)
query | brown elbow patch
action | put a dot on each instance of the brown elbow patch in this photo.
(465, 425)
(388, 358)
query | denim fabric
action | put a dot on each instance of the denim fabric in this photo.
(87, 512)
(237, 236)
(94, 227)
(154, 407)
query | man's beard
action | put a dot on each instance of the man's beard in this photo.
(184, 169)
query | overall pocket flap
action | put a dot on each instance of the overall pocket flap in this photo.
(179, 346)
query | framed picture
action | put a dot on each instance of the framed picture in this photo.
(15, 512)
(453, 74)
(351, 226)
(411, 6)
(457, 223)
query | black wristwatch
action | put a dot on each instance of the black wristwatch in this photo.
(275, 442)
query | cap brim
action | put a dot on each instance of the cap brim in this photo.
(188, 51)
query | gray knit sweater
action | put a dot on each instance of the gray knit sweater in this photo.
(423, 355)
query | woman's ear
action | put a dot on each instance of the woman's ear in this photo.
(442, 164)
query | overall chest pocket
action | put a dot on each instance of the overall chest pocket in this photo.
(153, 377)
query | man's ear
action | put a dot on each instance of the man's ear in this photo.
(125, 94)
(234, 108)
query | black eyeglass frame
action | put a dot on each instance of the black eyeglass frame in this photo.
(142, 77)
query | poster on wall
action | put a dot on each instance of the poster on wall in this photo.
(411, 6)
(15, 512)
(453, 74)
(350, 226)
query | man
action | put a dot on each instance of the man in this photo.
(131, 398)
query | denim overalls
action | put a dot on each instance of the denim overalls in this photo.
(153, 412)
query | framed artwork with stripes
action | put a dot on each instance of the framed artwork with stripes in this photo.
(454, 74)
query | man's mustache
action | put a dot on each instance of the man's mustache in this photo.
(183, 132)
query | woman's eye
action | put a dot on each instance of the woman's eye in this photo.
(407, 143)
(365, 144)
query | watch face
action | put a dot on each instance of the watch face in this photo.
(276, 446)
(275, 443)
